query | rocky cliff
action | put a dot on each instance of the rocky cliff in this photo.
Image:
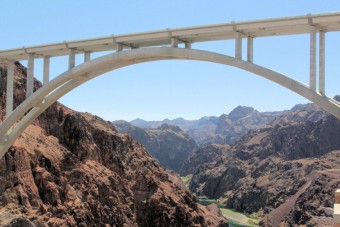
(314, 206)
(167, 143)
(74, 169)
(280, 163)
(205, 154)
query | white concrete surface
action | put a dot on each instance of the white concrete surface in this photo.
(9, 91)
(250, 49)
(312, 80)
(327, 22)
(336, 215)
(238, 46)
(46, 75)
(322, 62)
(87, 56)
(30, 76)
(72, 59)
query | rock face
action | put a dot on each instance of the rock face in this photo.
(268, 166)
(168, 144)
(203, 155)
(73, 169)
(313, 206)
(240, 120)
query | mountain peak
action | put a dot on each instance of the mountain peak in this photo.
(169, 127)
(241, 112)
(138, 120)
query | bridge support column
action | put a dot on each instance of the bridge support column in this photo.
(9, 91)
(30, 76)
(46, 70)
(174, 42)
(312, 79)
(72, 59)
(188, 45)
(250, 49)
(238, 46)
(87, 56)
(322, 62)
(119, 47)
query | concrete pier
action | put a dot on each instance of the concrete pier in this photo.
(46, 76)
(30, 76)
(250, 49)
(10, 83)
(238, 46)
(312, 80)
(119, 47)
(87, 56)
(72, 59)
(174, 42)
(322, 62)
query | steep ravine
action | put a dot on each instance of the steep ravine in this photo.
(168, 144)
(271, 166)
(74, 169)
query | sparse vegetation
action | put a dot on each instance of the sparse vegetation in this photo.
(234, 217)
(207, 202)
(186, 180)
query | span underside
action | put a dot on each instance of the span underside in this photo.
(39, 101)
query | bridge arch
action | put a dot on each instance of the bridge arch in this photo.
(39, 101)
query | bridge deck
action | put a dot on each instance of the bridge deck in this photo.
(258, 28)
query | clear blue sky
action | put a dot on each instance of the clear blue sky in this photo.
(170, 89)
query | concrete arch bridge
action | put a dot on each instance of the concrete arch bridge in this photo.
(162, 45)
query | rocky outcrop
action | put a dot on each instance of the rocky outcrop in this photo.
(203, 155)
(314, 206)
(74, 169)
(240, 120)
(168, 144)
(269, 166)
(301, 113)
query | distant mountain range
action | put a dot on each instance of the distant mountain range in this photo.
(279, 165)
(227, 128)
(171, 143)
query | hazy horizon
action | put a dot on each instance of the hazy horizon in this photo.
(217, 115)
